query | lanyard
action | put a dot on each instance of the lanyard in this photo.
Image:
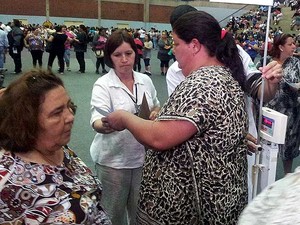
(135, 100)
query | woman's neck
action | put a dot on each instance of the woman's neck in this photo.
(42, 156)
(127, 80)
(281, 59)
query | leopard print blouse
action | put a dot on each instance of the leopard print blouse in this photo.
(204, 179)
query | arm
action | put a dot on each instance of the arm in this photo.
(149, 46)
(174, 77)
(272, 73)
(160, 135)
(50, 39)
(69, 39)
(26, 40)
(100, 107)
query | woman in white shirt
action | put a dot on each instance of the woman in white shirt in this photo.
(118, 156)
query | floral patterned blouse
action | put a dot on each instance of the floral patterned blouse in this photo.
(287, 101)
(32, 193)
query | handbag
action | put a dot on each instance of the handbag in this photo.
(99, 53)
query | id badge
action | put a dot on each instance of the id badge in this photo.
(15, 51)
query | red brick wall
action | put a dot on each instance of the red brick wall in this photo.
(74, 8)
(122, 11)
(23, 7)
(85, 9)
(160, 14)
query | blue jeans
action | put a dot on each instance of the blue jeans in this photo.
(67, 57)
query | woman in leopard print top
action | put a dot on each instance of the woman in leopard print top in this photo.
(195, 169)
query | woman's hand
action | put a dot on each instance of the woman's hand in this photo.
(102, 127)
(115, 120)
(272, 72)
(251, 144)
(154, 113)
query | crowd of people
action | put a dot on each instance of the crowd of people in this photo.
(59, 40)
(182, 163)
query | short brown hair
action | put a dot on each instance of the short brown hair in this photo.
(19, 109)
(114, 41)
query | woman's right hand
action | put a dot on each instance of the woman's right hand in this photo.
(102, 127)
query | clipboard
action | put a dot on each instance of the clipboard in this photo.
(144, 109)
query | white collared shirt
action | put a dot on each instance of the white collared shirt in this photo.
(119, 149)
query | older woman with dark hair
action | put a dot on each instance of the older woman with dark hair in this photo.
(118, 156)
(286, 99)
(195, 171)
(43, 181)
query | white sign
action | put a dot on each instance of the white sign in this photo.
(252, 2)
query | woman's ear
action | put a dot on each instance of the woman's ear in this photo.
(195, 45)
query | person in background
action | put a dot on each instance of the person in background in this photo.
(16, 44)
(58, 40)
(251, 47)
(118, 156)
(80, 47)
(153, 36)
(148, 46)
(42, 180)
(99, 41)
(140, 46)
(164, 46)
(68, 42)
(35, 44)
(195, 171)
(286, 99)
(3, 49)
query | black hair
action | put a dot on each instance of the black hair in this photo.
(206, 29)
(179, 11)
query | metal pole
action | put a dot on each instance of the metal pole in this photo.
(99, 13)
(47, 11)
(146, 14)
(257, 165)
